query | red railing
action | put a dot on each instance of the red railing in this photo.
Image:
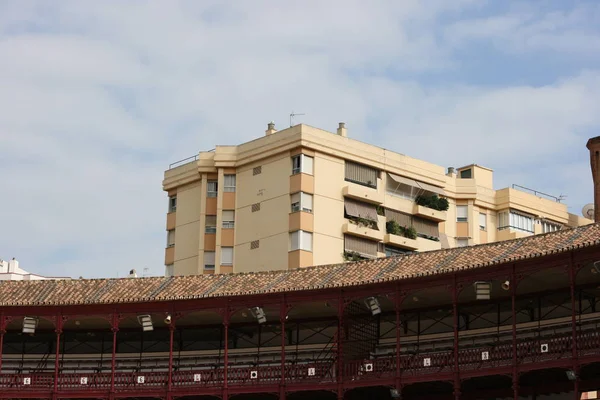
(537, 349)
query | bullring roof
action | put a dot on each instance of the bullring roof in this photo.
(135, 290)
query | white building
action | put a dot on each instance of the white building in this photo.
(10, 271)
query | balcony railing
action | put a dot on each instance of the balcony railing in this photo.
(544, 346)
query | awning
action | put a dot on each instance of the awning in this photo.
(417, 184)
(360, 210)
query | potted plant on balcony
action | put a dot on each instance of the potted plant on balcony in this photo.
(433, 202)
(394, 228)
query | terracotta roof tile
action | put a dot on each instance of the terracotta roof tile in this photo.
(131, 290)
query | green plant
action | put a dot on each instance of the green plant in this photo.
(394, 228)
(380, 210)
(351, 256)
(434, 202)
(361, 221)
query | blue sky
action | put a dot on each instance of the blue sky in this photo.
(98, 98)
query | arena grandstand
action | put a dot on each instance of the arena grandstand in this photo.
(507, 320)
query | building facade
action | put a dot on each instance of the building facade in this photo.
(10, 271)
(303, 196)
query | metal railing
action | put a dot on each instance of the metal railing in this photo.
(187, 160)
(538, 194)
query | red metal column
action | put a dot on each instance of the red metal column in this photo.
(339, 340)
(574, 352)
(398, 327)
(58, 330)
(2, 332)
(282, 318)
(513, 294)
(170, 377)
(226, 355)
(114, 329)
(455, 315)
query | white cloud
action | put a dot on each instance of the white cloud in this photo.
(99, 97)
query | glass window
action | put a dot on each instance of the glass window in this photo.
(302, 164)
(462, 213)
(302, 202)
(171, 238)
(209, 260)
(462, 242)
(172, 203)
(228, 219)
(212, 189)
(211, 224)
(301, 240)
(229, 183)
(226, 255)
(482, 221)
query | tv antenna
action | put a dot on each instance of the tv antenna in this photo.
(292, 115)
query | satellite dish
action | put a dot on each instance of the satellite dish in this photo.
(588, 211)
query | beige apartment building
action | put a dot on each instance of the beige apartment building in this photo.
(303, 196)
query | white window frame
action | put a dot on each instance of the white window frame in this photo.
(302, 163)
(226, 255)
(302, 201)
(483, 221)
(462, 242)
(228, 219)
(171, 238)
(209, 260)
(172, 204)
(301, 240)
(460, 215)
(212, 188)
(548, 227)
(229, 183)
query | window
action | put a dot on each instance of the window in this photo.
(229, 183)
(302, 202)
(364, 247)
(462, 242)
(301, 240)
(226, 255)
(171, 238)
(548, 226)
(302, 164)
(515, 220)
(394, 251)
(482, 221)
(169, 270)
(172, 204)
(466, 173)
(361, 174)
(462, 214)
(228, 219)
(211, 224)
(212, 189)
(209, 260)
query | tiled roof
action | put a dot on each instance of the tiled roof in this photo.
(135, 290)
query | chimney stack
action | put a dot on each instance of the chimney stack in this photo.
(270, 128)
(341, 130)
(593, 146)
(13, 266)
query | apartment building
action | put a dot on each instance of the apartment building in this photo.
(304, 196)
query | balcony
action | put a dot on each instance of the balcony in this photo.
(401, 241)
(428, 245)
(362, 193)
(430, 213)
(352, 228)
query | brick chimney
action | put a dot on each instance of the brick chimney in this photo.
(593, 146)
